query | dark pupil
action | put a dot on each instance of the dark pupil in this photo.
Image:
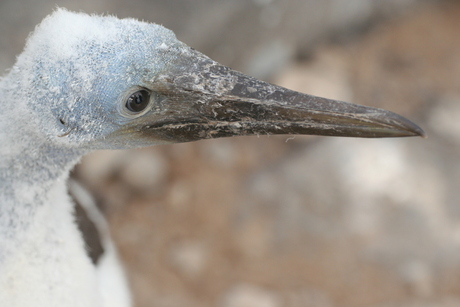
(138, 101)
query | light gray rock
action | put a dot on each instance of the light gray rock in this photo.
(189, 258)
(145, 170)
(248, 295)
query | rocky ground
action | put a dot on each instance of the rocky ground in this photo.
(306, 221)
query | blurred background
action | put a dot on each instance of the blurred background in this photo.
(292, 221)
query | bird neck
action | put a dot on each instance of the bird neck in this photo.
(31, 168)
(29, 178)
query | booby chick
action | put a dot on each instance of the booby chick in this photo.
(85, 83)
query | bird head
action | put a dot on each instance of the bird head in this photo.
(103, 82)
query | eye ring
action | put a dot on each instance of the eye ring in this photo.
(138, 101)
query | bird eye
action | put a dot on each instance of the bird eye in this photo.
(138, 101)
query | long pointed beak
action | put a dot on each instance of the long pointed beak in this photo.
(201, 99)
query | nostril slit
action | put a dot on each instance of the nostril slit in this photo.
(62, 121)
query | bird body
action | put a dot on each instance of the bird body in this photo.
(85, 83)
(43, 261)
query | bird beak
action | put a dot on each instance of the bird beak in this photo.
(201, 99)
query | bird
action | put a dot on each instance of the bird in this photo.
(91, 82)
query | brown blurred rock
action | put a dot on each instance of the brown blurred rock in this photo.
(304, 221)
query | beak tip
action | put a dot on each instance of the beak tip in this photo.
(422, 134)
(415, 130)
(404, 126)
